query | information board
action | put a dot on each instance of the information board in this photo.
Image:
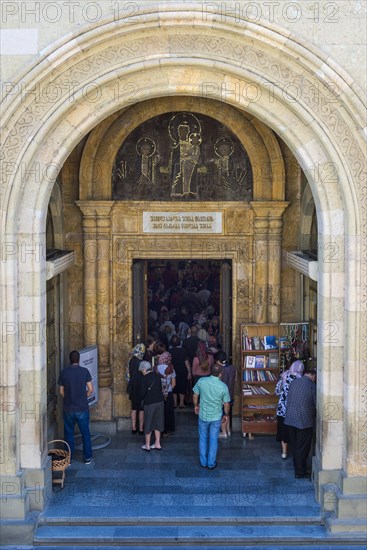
(89, 360)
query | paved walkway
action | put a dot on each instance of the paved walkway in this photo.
(124, 481)
(129, 498)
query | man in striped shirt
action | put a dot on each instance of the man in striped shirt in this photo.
(300, 418)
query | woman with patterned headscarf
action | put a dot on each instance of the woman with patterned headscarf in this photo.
(168, 378)
(136, 357)
(295, 371)
(202, 363)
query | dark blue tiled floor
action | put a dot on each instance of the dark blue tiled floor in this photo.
(251, 480)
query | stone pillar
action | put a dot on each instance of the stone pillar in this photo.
(275, 260)
(260, 255)
(267, 259)
(90, 256)
(96, 227)
(103, 293)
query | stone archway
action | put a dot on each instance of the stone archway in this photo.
(262, 71)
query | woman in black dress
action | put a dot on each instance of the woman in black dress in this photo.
(136, 357)
(181, 364)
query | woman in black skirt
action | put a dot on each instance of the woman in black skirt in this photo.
(181, 363)
(153, 403)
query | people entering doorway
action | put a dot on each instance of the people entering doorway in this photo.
(182, 294)
(182, 305)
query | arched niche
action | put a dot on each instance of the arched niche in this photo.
(257, 139)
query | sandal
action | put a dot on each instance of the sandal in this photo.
(145, 448)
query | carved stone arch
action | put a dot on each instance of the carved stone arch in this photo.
(257, 139)
(174, 54)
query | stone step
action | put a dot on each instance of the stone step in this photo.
(270, 546)
(352, 507)
(198, 520)
(146, 546)
(189, 535)
(343, 526)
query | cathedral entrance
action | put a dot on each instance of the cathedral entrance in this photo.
(172, 295)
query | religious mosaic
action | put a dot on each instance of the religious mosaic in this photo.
(182, 156)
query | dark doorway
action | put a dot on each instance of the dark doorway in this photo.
(171, 295)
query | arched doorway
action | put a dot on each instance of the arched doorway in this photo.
(237, 68)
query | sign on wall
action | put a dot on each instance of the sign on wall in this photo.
(89, 360)
(182, 222)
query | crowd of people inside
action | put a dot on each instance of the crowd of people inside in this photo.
(183, 294)
(182, 362)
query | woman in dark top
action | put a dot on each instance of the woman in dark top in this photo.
(181, 363)
(136, 356)
(151, 394)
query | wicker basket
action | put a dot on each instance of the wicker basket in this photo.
(60, 460)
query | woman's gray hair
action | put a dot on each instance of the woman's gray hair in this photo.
(145, 365)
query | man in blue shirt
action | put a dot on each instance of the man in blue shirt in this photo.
(75, 387)
(214, 395)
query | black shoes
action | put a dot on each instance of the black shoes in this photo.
(303, 476)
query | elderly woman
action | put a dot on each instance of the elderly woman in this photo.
(168, 380)
(136, 356)
(295, 371)
(153, 403)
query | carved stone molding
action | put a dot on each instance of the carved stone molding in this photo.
(96, 228)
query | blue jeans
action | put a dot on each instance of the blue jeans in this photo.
(82, 419)
(208, 441)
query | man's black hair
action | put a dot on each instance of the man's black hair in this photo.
(220, 356)
(74, 357)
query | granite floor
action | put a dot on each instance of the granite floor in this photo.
(130, 498)
(251, 480)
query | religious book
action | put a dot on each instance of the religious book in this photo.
(270, 342)
(256, 344)
(248, 343)
(273, 360)
(250, 362)
(260, 361)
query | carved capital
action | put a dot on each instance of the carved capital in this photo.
(96, 209)
(269, 209)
